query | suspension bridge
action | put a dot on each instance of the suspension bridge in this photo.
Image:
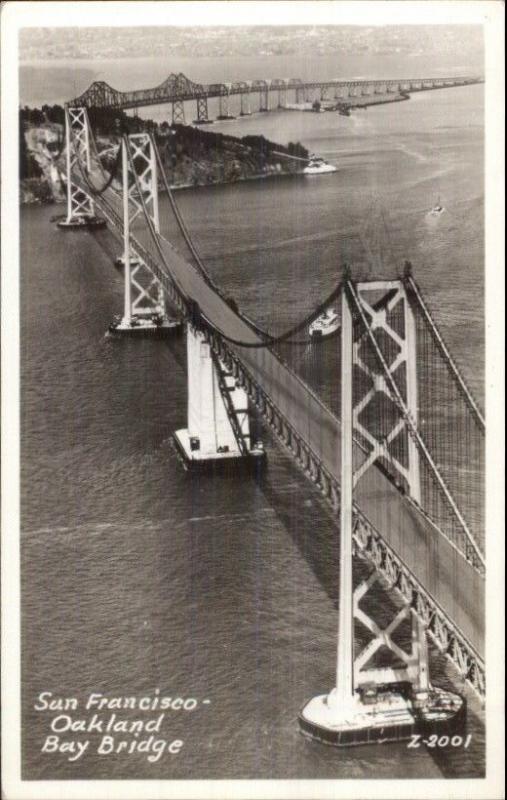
(265, 93)
(401, 466)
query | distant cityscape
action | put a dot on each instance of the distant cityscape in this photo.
(41, 44)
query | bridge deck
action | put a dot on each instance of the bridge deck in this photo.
(437, 565)
(179, 88)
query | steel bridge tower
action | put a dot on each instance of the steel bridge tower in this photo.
(367, 698)
(144, 307)
(80, 206)
(144, 298)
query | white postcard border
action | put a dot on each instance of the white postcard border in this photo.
(54, 14)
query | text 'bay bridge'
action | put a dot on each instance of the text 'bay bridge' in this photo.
(269, 93)
(403, 473)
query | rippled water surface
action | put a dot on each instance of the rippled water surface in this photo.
(136, 575)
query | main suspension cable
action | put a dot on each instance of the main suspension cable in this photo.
(269, 341)
(179, 219)
(94, 190)
(205, 274)
(439, 340)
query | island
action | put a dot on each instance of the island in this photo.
(191, 156)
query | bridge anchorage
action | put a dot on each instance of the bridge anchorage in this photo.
(218, 432)
(378, 703)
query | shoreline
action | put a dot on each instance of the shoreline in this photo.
(38, 187)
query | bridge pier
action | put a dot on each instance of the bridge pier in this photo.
(264, 100)
(202, 111)
(372, 702)
(245, 104)
(178, 112)
(218, 422)
(223, 108)
(144, 311)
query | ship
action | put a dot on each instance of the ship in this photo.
(318, 166)
(157, 325)
(325, 325)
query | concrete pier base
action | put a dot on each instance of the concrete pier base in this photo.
(393, 714)
(218, 421)
(157, 326)
(194, 460)
(82, 223)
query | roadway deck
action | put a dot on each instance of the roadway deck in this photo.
(453, 583)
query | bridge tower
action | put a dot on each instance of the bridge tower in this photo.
(178, 112)
(144, 299)
(218, 430)
(202, 111)
(80, 206)
(371, 701)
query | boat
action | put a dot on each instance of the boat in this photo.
(155, 325)
(327, 323)
(437, 209)
(317, 166)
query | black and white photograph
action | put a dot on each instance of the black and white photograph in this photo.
(252, 262)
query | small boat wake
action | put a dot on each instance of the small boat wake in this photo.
(318, 166)
(437, 210)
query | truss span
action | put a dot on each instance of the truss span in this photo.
(178, 88)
